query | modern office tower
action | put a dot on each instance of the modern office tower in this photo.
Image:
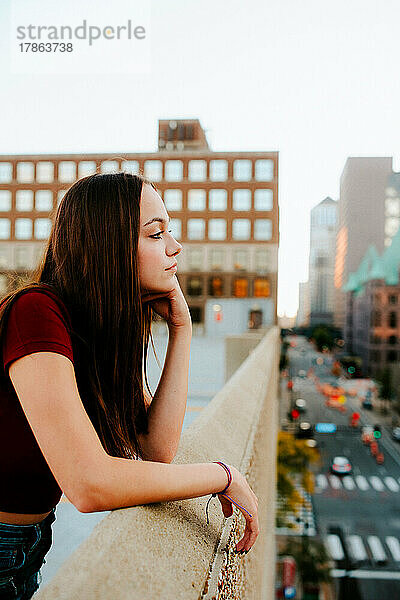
(322, 261)
(303, 313)
(361, 222)
(223, 208)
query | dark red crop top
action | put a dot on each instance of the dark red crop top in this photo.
(37, 322)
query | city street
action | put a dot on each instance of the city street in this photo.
(358, 514)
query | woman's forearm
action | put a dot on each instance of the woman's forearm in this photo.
(123, 482)
(167, 409)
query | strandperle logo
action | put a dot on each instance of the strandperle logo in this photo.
(90, 33)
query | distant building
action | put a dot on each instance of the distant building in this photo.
(361, 221)
(373, 299)
(223, 208)
(303, 313)
(322, 261)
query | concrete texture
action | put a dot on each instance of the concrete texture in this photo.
(167, 550)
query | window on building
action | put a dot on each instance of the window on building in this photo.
(376, 318)
(242, 170)
(217, 199)
(391, 356)
(241, 199)
(42, 228)
(44, 200)
(241, 229)
(196, 199)
(217, 229)
(86, 167)
(218, 170)
(240, 258)
(262, 229)
(60, 196)
(153, 170)
(392, 207)
(173, 199)
(391, 225)
(5, 229)
(22, 258)
(44, 172)
(392, 299)
(5, 172)
(197, 170)
(375, 356)
(175, 225)
(215, 286)
(392, 319)
(262, 259)
(130, 166)
(264, 170)
(392, 340)
(195, 286)
(67, 171)
(5, 200)
(196, 314)
(195, 229)
(263, 199)
(23, 229)
(217, 258)
(240, 287)
(109, 166)
(195, 258)
(25, 172)
(24, 200)
(261, 287)
(173, 170)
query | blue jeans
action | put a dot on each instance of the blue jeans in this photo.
(22, 552)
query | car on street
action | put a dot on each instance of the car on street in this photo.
(301, 405)
(302, 373)
(367, 404)
(396, 434)
(341, 465)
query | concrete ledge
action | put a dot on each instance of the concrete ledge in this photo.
(166, 550)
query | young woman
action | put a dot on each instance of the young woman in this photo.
(73, 408)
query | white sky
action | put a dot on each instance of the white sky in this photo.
(317, 80)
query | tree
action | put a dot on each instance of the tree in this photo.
(312, 560)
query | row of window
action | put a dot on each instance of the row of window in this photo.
(218, 257)
(217, 229)
(391, 298)
(377, 320)
(263, 199)
(26, 199)
(156, 170)
(196, 200)
(41, 229)
(216, 286)
(376, 356)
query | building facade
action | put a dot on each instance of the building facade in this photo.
(223, 208)
(361, 221)
(303, 313)
(322, 261)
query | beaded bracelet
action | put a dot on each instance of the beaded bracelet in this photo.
(227, 469)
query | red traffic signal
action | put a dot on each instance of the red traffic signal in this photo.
(295, 414)
(355, 416)
(289, 384)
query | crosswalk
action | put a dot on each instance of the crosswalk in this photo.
(358, 482)
(369, 548)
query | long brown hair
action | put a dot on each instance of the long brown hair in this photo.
(90, 262)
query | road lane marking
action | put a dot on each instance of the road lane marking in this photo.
(362, 483)
(334, 546)
(335, 482)
(376, 483)
(394, 547)
(348, 483)
(392, 484)
(357, 548)
(377, 551)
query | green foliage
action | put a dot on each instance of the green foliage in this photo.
(312, 559)
(323, 337)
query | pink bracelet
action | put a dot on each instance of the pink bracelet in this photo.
(227, 469)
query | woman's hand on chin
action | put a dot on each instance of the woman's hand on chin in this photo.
(171, 306)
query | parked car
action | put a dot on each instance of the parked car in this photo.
(340, 465)
(367, 404)
(396, 434)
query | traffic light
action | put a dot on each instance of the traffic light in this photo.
(294, 414)
(377, 432)
(351, 370)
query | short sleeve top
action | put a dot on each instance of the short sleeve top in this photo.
(38, 321)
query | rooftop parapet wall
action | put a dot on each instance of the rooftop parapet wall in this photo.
(166, 550)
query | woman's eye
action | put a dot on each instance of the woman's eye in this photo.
(156, 236)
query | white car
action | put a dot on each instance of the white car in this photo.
(340, 465)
